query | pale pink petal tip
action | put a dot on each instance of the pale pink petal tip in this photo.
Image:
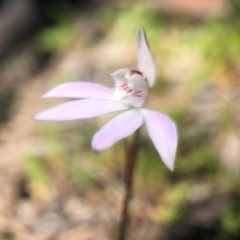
(116, 129)
(163, 133)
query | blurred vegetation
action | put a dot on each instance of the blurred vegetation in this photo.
(198, 85)
(37, 176)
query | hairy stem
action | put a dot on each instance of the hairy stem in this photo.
(131, 149)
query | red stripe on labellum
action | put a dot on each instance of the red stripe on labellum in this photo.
(131, 72)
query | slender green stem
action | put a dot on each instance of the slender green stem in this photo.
(130, 161)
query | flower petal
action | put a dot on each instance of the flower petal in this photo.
(162, 130)
(119, 76)
(79, 109)
(81, 90)
(116, 129)
(145, 60)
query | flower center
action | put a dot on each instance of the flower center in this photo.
(125, 88)
(130, 87)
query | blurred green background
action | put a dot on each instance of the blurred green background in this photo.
(53, 186)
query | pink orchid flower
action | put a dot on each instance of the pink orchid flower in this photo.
(131, 90)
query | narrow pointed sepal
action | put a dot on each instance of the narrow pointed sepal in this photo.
(79, 109)
(145, 60)
(163, 133)
(116, 129)
(81, 90)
